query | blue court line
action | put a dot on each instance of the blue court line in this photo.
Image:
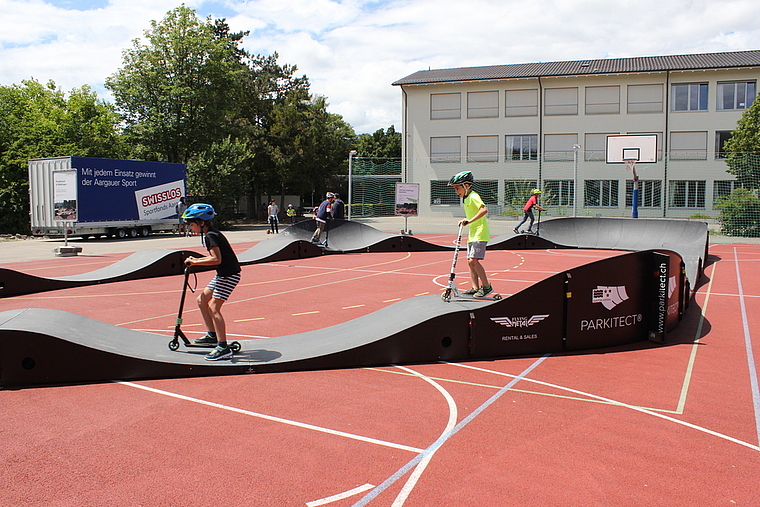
(748, 346)
(443, 438)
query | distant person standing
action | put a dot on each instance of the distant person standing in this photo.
(272, 211)
(180, 208)
(291, 212)
(338, 208)
(324, 213)
(528, 211)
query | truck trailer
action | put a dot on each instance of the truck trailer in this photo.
(83, 196)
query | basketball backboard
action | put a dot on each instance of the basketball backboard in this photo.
(640, 148)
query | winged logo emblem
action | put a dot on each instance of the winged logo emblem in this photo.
(519, 321)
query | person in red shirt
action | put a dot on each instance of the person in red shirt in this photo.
(528, 211)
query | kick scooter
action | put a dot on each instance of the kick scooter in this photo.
(451, 288)
(178, 334)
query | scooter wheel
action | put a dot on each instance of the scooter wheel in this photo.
(446, 297)
(235, 346)
(497, 296)
(174, 345)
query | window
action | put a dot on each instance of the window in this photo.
(483, 148)
(483, 104)
(521, 103)
(721, 136)
(600, 193)
(602, 100)
(689, 97)
(686, 194)
(595, 147)
(442, 194)
(645, 99)
(688, 146)
(445, 106)
(516, 192)
(445, 149)
(561, 101)
(521, 147)
(559, 147)
(738, 95)
(558, 192)
(650, 193)
(723, 188)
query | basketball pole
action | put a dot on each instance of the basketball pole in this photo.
(631, 164)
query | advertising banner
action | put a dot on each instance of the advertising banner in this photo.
(529, 322)
(619, 300)
(111, 190)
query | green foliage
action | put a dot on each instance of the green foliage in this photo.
(381, 144)
(743, 148)
(225, 166)
(187, 92)
(740, 214)
(176, 92)
(39, 121)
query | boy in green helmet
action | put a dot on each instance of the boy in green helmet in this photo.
(479, 233)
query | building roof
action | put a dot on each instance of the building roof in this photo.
(736, 59)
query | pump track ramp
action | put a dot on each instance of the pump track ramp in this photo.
(48, 347)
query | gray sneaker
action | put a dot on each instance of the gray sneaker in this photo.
(470, 292)
(206, 340)
(219, 353)
(483, 291)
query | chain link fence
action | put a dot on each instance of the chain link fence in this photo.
(697, 187)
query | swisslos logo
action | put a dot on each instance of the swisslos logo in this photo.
(609, 297)
(519, 321)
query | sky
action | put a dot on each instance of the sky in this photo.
(353, 50)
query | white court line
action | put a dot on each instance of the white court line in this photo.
(445, 437)
(695, 347)
(272, 418)
(340, 496)
(748, 347)
(422, 465)
(619, 403)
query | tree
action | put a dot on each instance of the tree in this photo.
(381, 144)
(177, 92)
(225, 166)
(743, 148)
(39, 121)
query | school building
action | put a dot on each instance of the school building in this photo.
(545, 125)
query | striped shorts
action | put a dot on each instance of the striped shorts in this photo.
(222, 286)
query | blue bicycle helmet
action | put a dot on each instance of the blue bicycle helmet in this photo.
(199, 211)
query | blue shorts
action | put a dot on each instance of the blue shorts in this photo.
(476, 250)
(222, 286)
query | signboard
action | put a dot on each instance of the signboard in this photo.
(65, 195)
(112, 190)
(407, 199)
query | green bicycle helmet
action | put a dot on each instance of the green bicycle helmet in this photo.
(199, 211)
(461, 178)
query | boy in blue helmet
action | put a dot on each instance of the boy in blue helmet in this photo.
(199, 218)
(479, 233)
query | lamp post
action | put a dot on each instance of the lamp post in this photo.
(351, 155)
(576, 148)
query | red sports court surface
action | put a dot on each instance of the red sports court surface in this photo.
(638, 425)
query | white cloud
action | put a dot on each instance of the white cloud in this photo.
(352, 50)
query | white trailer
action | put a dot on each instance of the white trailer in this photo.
(81, 196)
